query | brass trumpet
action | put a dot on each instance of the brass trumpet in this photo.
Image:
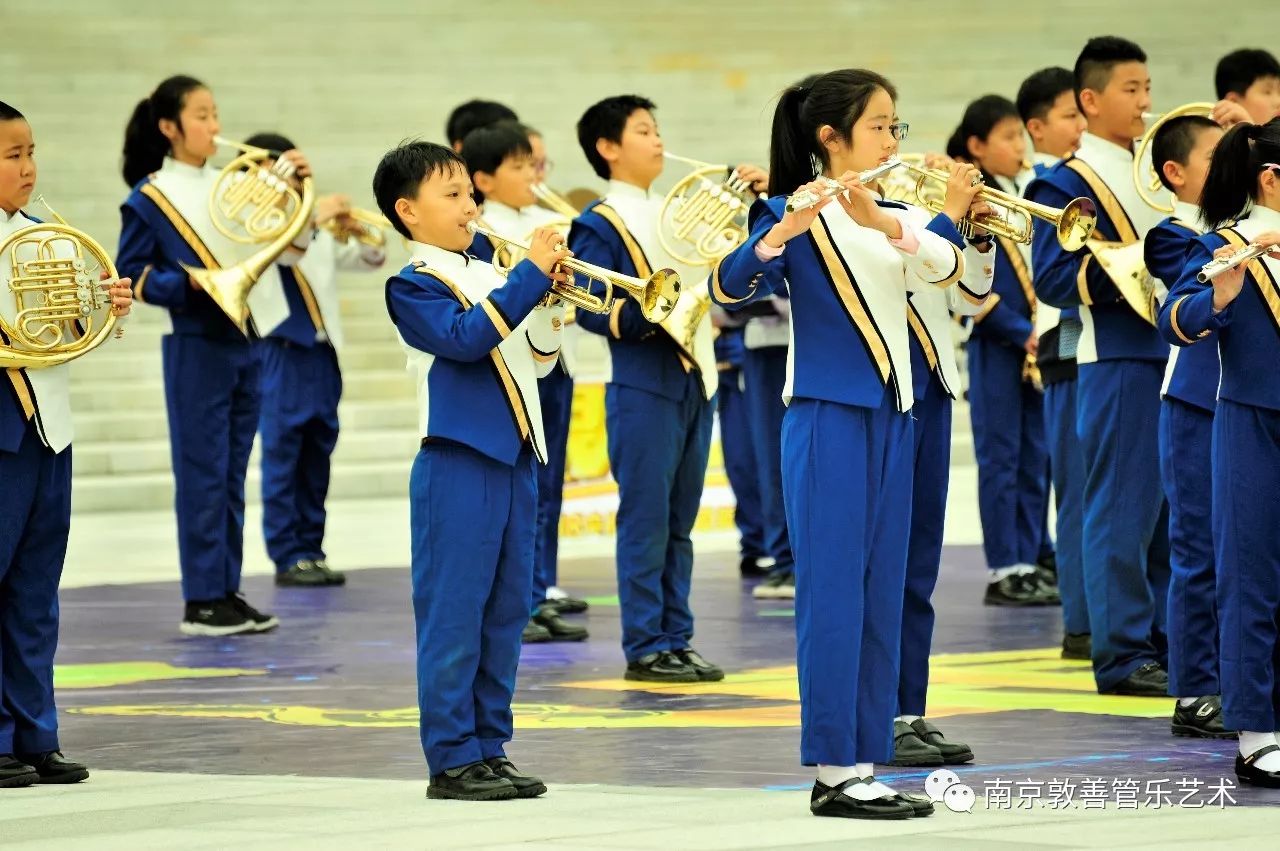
(253, 204)
(364, 226)
(1144, 171)
(54, 280)
(702, 219)
(1126, 266)
(1074, 223)
(657, 295)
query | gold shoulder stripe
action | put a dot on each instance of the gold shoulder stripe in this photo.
(1082, 282)
(518, 410)
(922, 334)
(1125, 231)
(638, 259)
(841, 279)
(181, 225)
(25, 400)
(1021, 272)
(308, 298)
(1262, 277)
(495, 316)
(615, 318)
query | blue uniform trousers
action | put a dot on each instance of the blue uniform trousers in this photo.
(658, 452)
(213, 397)
(1186, 447)
(473, 522)
(846, 474)
(765, 373)
(35, 518)
(1117, 414)
(738, 449)
(1246, 538)
(1066, 465)
(1013, 460)
(301, 387)
(555, 391)
(931, 474)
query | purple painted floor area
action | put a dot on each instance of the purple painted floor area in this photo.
(347, 657)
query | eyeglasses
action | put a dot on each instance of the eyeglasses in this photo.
(899, 130)
(543, 167)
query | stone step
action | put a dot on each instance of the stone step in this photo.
(149, 393)
(137, 362)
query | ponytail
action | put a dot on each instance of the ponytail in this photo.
(145, 147)
(1232, 182)
(838, 99)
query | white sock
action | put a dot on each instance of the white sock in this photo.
(995, 574)
(554, 593)
(907, 718)
(1026, 568)
(1184, 702)
(1251, 743)
(866, 770)
(834, 775)
(880, 789)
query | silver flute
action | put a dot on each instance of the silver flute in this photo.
(804, 199)
(1218, 266)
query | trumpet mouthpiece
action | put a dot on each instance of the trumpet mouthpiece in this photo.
(473, 226)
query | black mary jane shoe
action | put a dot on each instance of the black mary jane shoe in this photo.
(1249, 773)
(473, 782)
(527, 786)
(920, 804)
(832, 801)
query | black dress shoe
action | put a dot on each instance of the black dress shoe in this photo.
(1247, 772)
(559, 628)
(706, 671)
(832, 801)
(1077, 646)
(331, 576)
(53, 767)
(303, 574)
(527, 786)
(1201, 720)
(1050, 563)
(15, 773)
(1148, 681)
(567, 605)
(534, 633)
(910, 749)
(750, 568)
(1047, 580)
(664, 667)
(1016, 589)
(953, 753)
(474, 782)
(919, 804)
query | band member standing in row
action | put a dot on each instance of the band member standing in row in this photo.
(1122, 362)
(1251, 78)
(1005, 405)
(1180, 153)
(935, 378)
(476, 345)
(847, 434)
(658, 404)
(35, 502)
(301, 388)
(472, 115)
(736, 442)
(1241, 308)
(211, 371)
(500, 160)
(1047, 105)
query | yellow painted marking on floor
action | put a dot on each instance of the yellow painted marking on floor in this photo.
(107, 674)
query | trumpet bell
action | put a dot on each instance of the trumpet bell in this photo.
(1076, 223)
(661, 295)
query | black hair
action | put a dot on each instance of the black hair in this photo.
(1232, 183)
(606, 120)
(486, 148)
(273, 142)
(145, 147)
(1100, 55)
(1039, 92)
(1175, 140)
(473, 114)
(836, 98)
(402, 170)
(9, 113)
(957, 147)
(1240, 69)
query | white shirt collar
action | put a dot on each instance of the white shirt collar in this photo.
(172, 166)
(618, 189)
(1041, 158)
(5, 218)
(1095, 149)
(439, 258)
(492, 206)
(1188, 213)
(1268, 217)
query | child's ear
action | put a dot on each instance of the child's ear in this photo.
(483, 182)
(607, 149)
(1173, 173)
(404, 209)
(1089, 102)
(1035, 128)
